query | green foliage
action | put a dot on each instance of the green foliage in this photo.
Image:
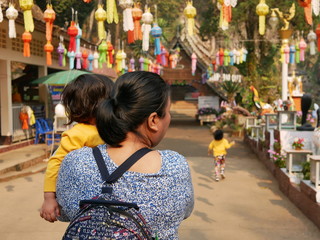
(231, 88)
(306, 170)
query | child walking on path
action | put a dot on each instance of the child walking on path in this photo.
(218, 147)
(80, 99)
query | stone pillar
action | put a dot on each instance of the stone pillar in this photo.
(5, 102)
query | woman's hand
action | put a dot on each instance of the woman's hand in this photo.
(50, 209)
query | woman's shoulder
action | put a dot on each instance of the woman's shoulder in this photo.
(81, 154)
(173, 159)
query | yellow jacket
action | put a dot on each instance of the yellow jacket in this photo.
(220, 147)
(77, 137)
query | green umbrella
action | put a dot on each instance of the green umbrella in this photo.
(62, 77)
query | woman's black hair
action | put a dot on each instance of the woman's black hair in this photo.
(82, 96)
(134, 97)
(218, 135)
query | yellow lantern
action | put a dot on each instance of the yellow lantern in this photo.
(26, 6)
(112, 13)
(262, 10)
(190, 12)
(101, 16)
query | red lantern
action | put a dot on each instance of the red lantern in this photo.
(48, 48)
(130, 35)
(85, 57)
(110, 52)
(72, 32)
(318, 36)
(306, 4)
(26, 37)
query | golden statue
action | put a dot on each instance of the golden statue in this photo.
(286, 17)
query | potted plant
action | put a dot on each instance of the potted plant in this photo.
(278, 158)
(298, 143)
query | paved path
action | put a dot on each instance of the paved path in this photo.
(246, 205)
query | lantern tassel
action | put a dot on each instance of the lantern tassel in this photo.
(71, 56)
(146, 28)
(262, 25)
(190, 26)
(157, 46)
(130, 35)
(28, 21)
(12, 29)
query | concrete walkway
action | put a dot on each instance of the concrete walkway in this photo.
(246, 205)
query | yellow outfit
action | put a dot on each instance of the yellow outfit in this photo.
(220, 147)
(77, 137)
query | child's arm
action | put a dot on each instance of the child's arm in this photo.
(50, 209)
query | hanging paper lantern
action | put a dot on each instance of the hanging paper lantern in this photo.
(190, 12)
(240, 55)
(124, 56)
(101, 15)
(297, 52)
(312, 37)
(78, 38)
(231, 55)
(234, 3)
(1, 15)
(221, 56)
(110, 53)
(137, 15)
(26, 37)
(236, 56)
(318, 36)
(131, 65)
(306, 4)
(156, 33)
(126, 5)
(147, 19)
(292, 53)
(72, 32)
(286, 51)
(87, 1)
(49, 16)
(90, 59)
(226, 57)
(315, 4)
(244, 54)
(218, 58)
(12, 14)
(60, 50)
(48, 48)
(119, 61)
(95, 59)
(112, 13)
(164, 53)
(193, 63)
(302, 46)
(262, 10)
(26, 6)
(71, 56)
(84, 59)
(141, 61)
(225, 14)
(273, 20)
(103, 47)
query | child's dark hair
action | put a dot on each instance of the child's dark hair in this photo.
(218, 135)
(134, 97)
(82, 96)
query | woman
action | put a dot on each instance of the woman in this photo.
(136, 116)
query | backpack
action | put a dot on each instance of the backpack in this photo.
(106, 216)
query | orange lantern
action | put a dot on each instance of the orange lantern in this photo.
(318, 36)
(85, 58)
(26, 37)
(48, 48)
(110, 52)
(87, 1)
(306, 4)
(137, 15)
(72, 32)
(49, 16)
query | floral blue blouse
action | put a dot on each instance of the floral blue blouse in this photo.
(165, 198)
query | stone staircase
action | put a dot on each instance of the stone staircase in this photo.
(184, 110)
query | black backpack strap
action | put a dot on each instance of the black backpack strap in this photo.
(126, 165)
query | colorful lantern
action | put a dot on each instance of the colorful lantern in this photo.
(61, 49)
(231, 55)
(72, 32)
(1, 15)
(315, 4)
(48, 48)
(71, 56)
(85, 56)
(218, 58)
(101, 16)
(221, 56)
(147, 19)
(233, 3)
(87, 1)
(306, 4)
(112, 13)
(103, 47)
(132, 67)
(95, 59)
(156, 33)
(119, 61)
(126, 5)
(141, 61)
(78, 38)
(137, 15)
(236, 56)
(240, 55)
(226, 57)
(225, 14)
(164, 53)
(286, 52)
(262, 10)
(124, 56)
(312, 37)
(49, 16)
(110, 54)
(78, 57)
(26, 6)
(297, 53)
(26, 37)
(190, 12)
(193, 63)
(12, 14)
(318, 36)
(90, 59)
(273, 20)
(302, 46)
(244, 54)
(292, 53)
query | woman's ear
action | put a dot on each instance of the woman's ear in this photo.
(153, 121)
